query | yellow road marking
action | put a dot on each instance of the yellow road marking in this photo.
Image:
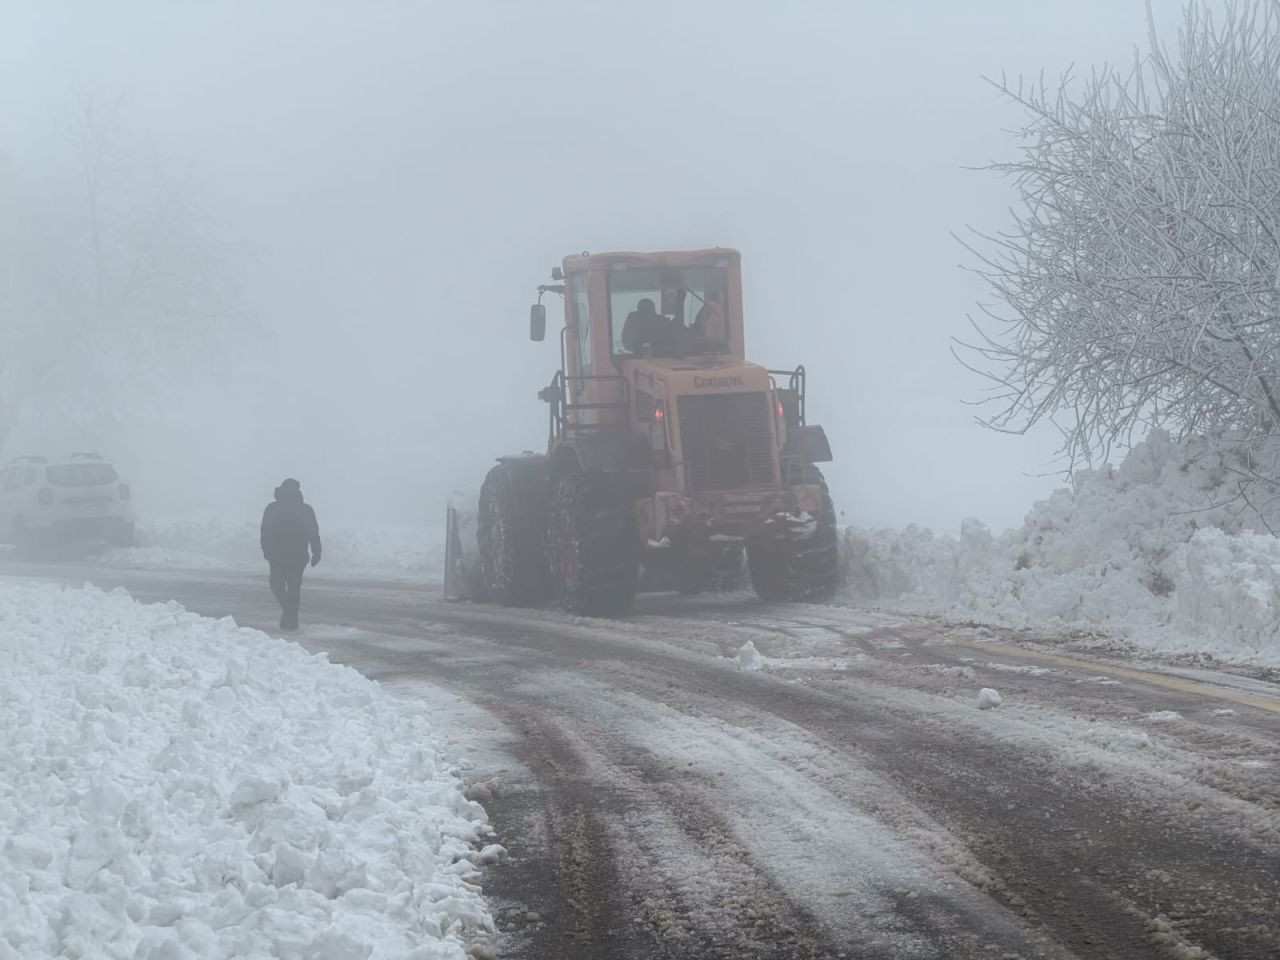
(1129, 673)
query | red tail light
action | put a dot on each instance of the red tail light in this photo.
(45, 496)
(124, 491)
(658, 432)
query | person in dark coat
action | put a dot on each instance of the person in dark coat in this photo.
(663, 336)
(290, 538)
(645, 327)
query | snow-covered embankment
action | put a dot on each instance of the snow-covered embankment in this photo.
(1161, 550)
(173, 786)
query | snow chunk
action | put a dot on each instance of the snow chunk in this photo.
(484, 791)
(492, 853)
(749, 657)
(254, 790)
(988, 698)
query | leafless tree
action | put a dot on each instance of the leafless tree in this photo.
(1139, 283)
(116, 288)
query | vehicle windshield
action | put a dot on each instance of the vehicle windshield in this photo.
(80, 474)
(669, 312)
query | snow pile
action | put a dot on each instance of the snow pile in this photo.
(1232, 585)
(206, 541)
(178, 787)
(1161, 549)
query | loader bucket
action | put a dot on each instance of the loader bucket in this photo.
(461, 574)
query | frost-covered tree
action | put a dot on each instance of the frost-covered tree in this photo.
(116, 288)
(1139, 282)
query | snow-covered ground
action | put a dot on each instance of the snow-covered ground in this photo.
(173, 786)
(209, 541)
(1161, 550)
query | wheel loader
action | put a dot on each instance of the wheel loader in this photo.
(669, 456)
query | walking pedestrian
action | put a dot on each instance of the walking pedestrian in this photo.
(290, 538)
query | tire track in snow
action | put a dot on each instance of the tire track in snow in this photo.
(1049, 886)
(850, 850)
(1039, 832)
(577, 892)
(936, 939)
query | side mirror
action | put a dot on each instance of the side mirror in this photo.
(537, 322)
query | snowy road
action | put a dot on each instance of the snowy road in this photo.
(847, 798)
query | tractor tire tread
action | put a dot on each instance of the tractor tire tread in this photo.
(800, 571)
(511, 531)
(594, 547)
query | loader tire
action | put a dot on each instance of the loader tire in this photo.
(594, 547)
(510, 531)
(803, 571)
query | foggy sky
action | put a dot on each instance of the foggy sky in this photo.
(403, 175)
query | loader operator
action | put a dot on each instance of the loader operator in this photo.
(645, 327)
(289, 532)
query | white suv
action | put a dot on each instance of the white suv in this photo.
(73, 499)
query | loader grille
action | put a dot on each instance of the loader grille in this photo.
(726, 441)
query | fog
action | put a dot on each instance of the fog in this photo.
(398, 178)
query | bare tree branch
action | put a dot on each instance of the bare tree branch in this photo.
(1138, 285)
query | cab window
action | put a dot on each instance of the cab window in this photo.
(581, 321)
(672, 312)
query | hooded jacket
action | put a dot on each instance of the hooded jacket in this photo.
(289, 528)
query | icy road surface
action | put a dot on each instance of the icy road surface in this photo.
(722, 778)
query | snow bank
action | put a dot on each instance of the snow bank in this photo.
(1161, 550)
(205, 541)
(178, 787)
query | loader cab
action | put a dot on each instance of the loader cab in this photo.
(627, 315)
(696, 298)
